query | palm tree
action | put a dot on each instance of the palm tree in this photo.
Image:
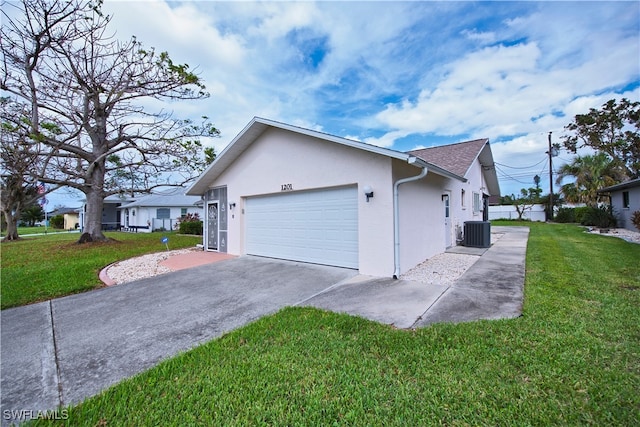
(32, 214)
(591, 174)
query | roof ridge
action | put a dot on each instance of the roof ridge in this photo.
(448, 145)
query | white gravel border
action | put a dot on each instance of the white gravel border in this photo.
(622, 233)
(142, 267)
(441, 269)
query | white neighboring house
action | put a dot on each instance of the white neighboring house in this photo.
(111, 219)
(625, 200)
(158, 211)
(285, 192)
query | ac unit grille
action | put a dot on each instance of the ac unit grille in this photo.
(477, 234)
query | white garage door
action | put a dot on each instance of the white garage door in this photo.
(312, 226)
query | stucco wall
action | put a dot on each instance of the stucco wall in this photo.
(624, 214)
(280, 157)
(462, 210)
(422, 217)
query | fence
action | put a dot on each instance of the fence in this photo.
(536, 213)
(162, 224)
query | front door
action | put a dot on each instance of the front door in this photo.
(447, 220)
(212, 226)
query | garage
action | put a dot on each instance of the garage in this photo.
(319, 226)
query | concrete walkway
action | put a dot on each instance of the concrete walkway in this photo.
(492, 288)
(62, 351)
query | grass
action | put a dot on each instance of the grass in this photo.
(43, 267)
(23, 231)
(573, 358)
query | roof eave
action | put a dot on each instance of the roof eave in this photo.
(621, 186)
(258, 125)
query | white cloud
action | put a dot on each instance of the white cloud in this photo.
(507, 71)
(482, 91)
(482, 37)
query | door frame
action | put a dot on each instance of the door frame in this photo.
(209, 203)
(446, 199)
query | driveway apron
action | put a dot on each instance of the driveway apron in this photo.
(104, 336)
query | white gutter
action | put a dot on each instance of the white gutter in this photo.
(396, 212)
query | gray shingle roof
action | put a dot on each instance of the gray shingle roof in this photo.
(456, 158)
(170, 198)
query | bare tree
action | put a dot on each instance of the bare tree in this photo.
(20, 161)
(97, 104)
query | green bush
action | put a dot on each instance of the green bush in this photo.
(57, 222)
(191, 224)
(566, 215)
(601, 217)
(580, 212)
(191, 227)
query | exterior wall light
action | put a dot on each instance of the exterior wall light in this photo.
(232, 205)
(368, 192)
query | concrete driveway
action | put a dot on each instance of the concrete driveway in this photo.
(62, 351)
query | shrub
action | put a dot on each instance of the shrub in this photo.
(191, 228)
(566, 215)
(635, 219)
(580, 212)
(601, 217)
(57, 222)
(190, 224)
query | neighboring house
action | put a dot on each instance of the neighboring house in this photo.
(71, 217)
(158, 211)
(286, 192)
(110, 212)
(625, 200)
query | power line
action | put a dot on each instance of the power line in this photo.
(511, 177)
(521, 174)
(522, 167)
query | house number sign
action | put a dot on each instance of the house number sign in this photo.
(286, 187)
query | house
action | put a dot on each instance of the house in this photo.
(625, 200)
(286, 192)
(111, 219)
(71, 217)
(158, 211)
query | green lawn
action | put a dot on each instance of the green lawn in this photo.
(42, 267)
(573, 358)
(22, 231)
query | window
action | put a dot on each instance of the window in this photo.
(462, 197)
(183, 212)
(163, 213)
(477, 207)
(625, 200)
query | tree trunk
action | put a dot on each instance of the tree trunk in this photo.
(93, 218)
(95, 203)
(12, 226)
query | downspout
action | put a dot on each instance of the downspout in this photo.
(396, 214)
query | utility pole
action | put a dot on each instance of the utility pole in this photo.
(550, 180)
(552, 152)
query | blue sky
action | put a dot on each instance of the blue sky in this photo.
(401, 75)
